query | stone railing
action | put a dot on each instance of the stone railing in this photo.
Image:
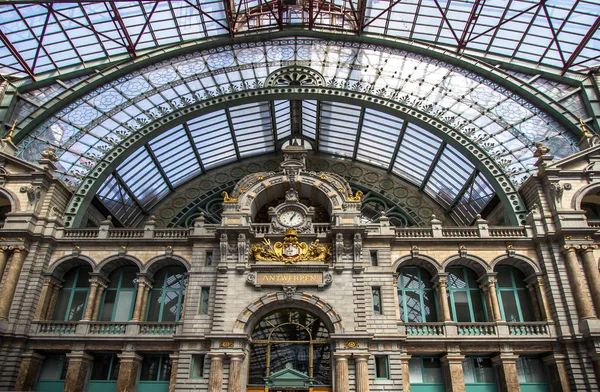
(414, 232)
(460, 232)
(475, 329)
(424, 329)
(261, 228)
(595, 223)
(126, 233)
(321, 228)
(498, 231)
(171, 233)
(488, 330)
(95, 328)
(80, 233)
(529, 329)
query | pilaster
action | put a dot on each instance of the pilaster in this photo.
(453, 372)
(128, 371)
(31, 363)
(557, 372)
(77, 371)
(12, 279)
(342, 382)
(362, 372)
(215, 381)
(506, 369)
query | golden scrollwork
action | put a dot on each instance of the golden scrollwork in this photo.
(356, 198)
(351, 344)
(228, 199)
(226, 344)
(291, 250)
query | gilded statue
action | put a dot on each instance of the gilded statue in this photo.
(290, 250)
(356, 198)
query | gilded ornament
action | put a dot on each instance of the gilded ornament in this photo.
(356, 198)
(323, 177)
(228, 199)
(9, 137)
(50, 154)
(351, 344)
(290, 250)
(260, 178)
(226, 344)
(243, 190)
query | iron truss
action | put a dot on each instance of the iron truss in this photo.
(49, 37)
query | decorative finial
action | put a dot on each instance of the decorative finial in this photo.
(584, 130)
(228, 199)
(9, 137)
(541, 150)
(50, 154)
(356, 198)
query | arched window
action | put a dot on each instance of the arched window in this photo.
(118, 299)
(166, 297)
(5, 208)
(416, 295)
(290, 337)
(513, 295)
(72, 298)
(464, 295)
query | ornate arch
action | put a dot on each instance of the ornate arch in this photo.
(12, 198)
(63, 265)
(158, 262)
(428, 263)
(477, 264)
(522, 263)
(252, 313)
(111, 263)
(581, 193)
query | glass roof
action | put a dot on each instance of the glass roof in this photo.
(40, 37)
(503, 124)
(367, 135)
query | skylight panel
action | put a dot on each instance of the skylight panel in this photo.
(212, 137)
(119, 201)
(309, 118)
(253, 128)
(282, 118)
(142, 177)
(338, 127)
(416, 153)
(449, 175)
(175, 155)
(473, 200)
(378, 137)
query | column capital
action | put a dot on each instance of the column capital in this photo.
(568, 248)
(18, 248)
(554, 358)
(144, 278)
(4, 248)
(340, 356)
(452, 358)
(79, 356)
(505, 357)
(236, 356)
(129, 356)
(588, 248)
(215, 356)
(361, 357)
(32, 355)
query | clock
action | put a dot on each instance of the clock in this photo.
(291, 218)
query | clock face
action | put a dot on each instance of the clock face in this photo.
(291, 218)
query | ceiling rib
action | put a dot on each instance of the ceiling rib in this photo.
(582, 45)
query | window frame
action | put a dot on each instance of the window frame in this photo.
(195, 357)
(208, 258)
(374, 257)
(422, 368)
(515, 292)
(163, 289)
(376, 289)
(386, 362)
(421, 290)
(72, 291)
(161, 363)
(204, 294)
(469, 290)
(118, 289)
(472, 360)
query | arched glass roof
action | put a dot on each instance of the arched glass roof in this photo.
(40, 37)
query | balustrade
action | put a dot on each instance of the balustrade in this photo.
(425, 329)
(528, 329)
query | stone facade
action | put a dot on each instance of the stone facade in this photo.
(556, 251)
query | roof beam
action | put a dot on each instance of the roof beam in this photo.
(398, 144)
(464, 189)
(434, 163)
(188, 133)
(231, 131)
(361, 119)
(146, 24)
(17, 55)
(273, 123)
(462, 42)
(443, 13)
(126, 188)
(581, 45)
(504, 21)
(209, 17)
(380, 14)
(130, 46)
(159, 167)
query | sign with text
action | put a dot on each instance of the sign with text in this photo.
(289, 278)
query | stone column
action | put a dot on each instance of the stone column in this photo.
(582, 300)
(173, 375)
(342, 383)
(542, 298)
(52, 303)
(491, 295)
(362, 372)
(215, 380)
(557, 373)
(535, 300)
(31, 364)
(404, 358)
(139, 299)
(590, 266)
(147, 288)
(4, 253)
(235, 372)
(91, 300)
(453, 372)
(44, 300)
(101, 287)
(77, 371)
(442, 297)
(11, 281)
(128, 371)
(506, 369)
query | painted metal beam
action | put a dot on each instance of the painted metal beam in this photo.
(586, 39)
(17, 55)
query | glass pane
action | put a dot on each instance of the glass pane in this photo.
(504, 277)
(108, 305)
(468, 370)
(124, 305)
(52, 367)
(322, 364)
(294, 353)
(70, 278)
(429, 305)
(154, 305)
(62, 303)
(150, 367)
(258, 364)
(101, 367)
(461, 305)
(197, 366)
(381, 367)
(83, 279)
(204, 300)
(484, 371)
(165, 369)
(432, 371)
(75, 312)
(509, 305)
(171, 306)
(531, 370)
(477, 303)
(376, 301)
(129, 275)
(414, 370)
(526, 305)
